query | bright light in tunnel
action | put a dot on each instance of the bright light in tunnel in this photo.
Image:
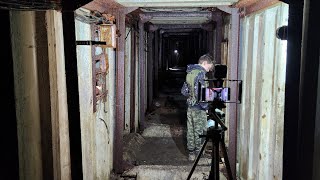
(175, 51)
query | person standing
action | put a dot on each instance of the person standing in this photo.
(196, 111)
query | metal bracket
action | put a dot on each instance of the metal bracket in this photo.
(91, 43)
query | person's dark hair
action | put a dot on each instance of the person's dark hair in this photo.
(207, 57)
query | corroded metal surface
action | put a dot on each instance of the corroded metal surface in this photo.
(102, 5)
(119, 126)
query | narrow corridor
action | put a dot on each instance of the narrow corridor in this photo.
(160, 151)
(90, 91)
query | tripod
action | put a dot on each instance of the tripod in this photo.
(216, 135)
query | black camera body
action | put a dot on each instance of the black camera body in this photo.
(218, 94)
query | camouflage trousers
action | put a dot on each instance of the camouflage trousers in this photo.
(196, 125)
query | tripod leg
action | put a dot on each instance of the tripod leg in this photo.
(197, 159)
(226, 159)
(215, 173)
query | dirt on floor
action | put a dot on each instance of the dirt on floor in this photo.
(153, 148)
(163, 141)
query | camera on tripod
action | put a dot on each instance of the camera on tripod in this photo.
(218, 94)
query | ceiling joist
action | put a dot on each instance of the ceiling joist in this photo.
(176, 3)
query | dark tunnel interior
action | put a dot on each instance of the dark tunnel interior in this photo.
(180, 47)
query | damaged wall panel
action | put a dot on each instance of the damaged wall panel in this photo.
(97, 127)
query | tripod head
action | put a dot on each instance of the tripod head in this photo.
(212, 114)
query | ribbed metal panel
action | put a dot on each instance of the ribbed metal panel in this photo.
(263, 68)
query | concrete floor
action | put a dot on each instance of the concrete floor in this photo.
(159, 153)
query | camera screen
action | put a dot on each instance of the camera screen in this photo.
(217, 94)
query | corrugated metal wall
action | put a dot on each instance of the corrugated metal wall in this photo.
(262, 63)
